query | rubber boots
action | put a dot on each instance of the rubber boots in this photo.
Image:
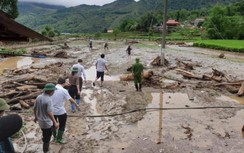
(54, 135)
(45, 147)
(139, 86)
(136, 85)
(60, 137)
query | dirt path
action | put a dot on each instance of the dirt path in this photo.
(213, 130)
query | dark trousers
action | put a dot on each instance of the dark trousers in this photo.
(74, 92)
(81, 82)
(61, 119)
(46, 135)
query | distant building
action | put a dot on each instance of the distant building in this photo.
(110, 31)
(11, 30)
(171, 26)
(173, 23)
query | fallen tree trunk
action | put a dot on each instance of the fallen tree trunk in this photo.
(4, 95)
(241, 90)
(188, 74)
(29, 96)
(129, 77)
(24, 104)
(233, 84)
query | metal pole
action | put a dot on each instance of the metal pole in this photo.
(164, 32)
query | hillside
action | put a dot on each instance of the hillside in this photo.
(88, 19)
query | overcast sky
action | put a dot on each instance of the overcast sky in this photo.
(69, 3)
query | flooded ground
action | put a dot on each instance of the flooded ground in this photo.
(15, 62)
(174, 129)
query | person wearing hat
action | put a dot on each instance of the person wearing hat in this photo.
(3, 106)
(59, 97)
(43, 112)
(137, 70)
(6, 145)
(74, 88)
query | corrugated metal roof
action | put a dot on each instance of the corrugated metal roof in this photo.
(11, 30)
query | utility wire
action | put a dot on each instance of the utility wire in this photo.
(157, 109)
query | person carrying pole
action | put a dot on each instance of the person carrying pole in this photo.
(43, 112)
(59, 97)
(137, 70)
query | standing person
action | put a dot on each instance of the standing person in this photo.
(8, 126)
(81, 72)
(90, 44)
(137, 70)
(60, 114)
(128, 50)
(74, 89)
(106, 46)
(43, 111)
(100, 67)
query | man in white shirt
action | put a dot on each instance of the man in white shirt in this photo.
(100, 67)
(59, 97)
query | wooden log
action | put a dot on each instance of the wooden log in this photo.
(29, 96)
(11, 93)
(183, 71)
(26, 88)
(217, 73)
(24, 104)
(216, 78)
(207, 77)
(19, 80)
(241, 90)
(128, 77)
(233, 84)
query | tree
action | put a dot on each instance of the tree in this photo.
(48, 31)
(116, 32)
(10, 7)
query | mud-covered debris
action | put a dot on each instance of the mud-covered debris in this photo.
(61, 54)
(241, 90)
(221, 55)
(128, 77)
(157, 61)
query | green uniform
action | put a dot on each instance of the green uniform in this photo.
(137, 69)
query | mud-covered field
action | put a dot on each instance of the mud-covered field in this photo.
(178, 130)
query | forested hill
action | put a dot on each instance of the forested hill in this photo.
(88, 19)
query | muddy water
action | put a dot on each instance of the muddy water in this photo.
(91, 75)
(15, 62)
(236, 99)
(184, 130)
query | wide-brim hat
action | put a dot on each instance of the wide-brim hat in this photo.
(74, 69)
(3, 105)
(49, 87)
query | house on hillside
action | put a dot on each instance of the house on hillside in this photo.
(110, 31)
(11, 30)
(172, 25)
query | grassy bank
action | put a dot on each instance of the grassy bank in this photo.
(228, 45)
